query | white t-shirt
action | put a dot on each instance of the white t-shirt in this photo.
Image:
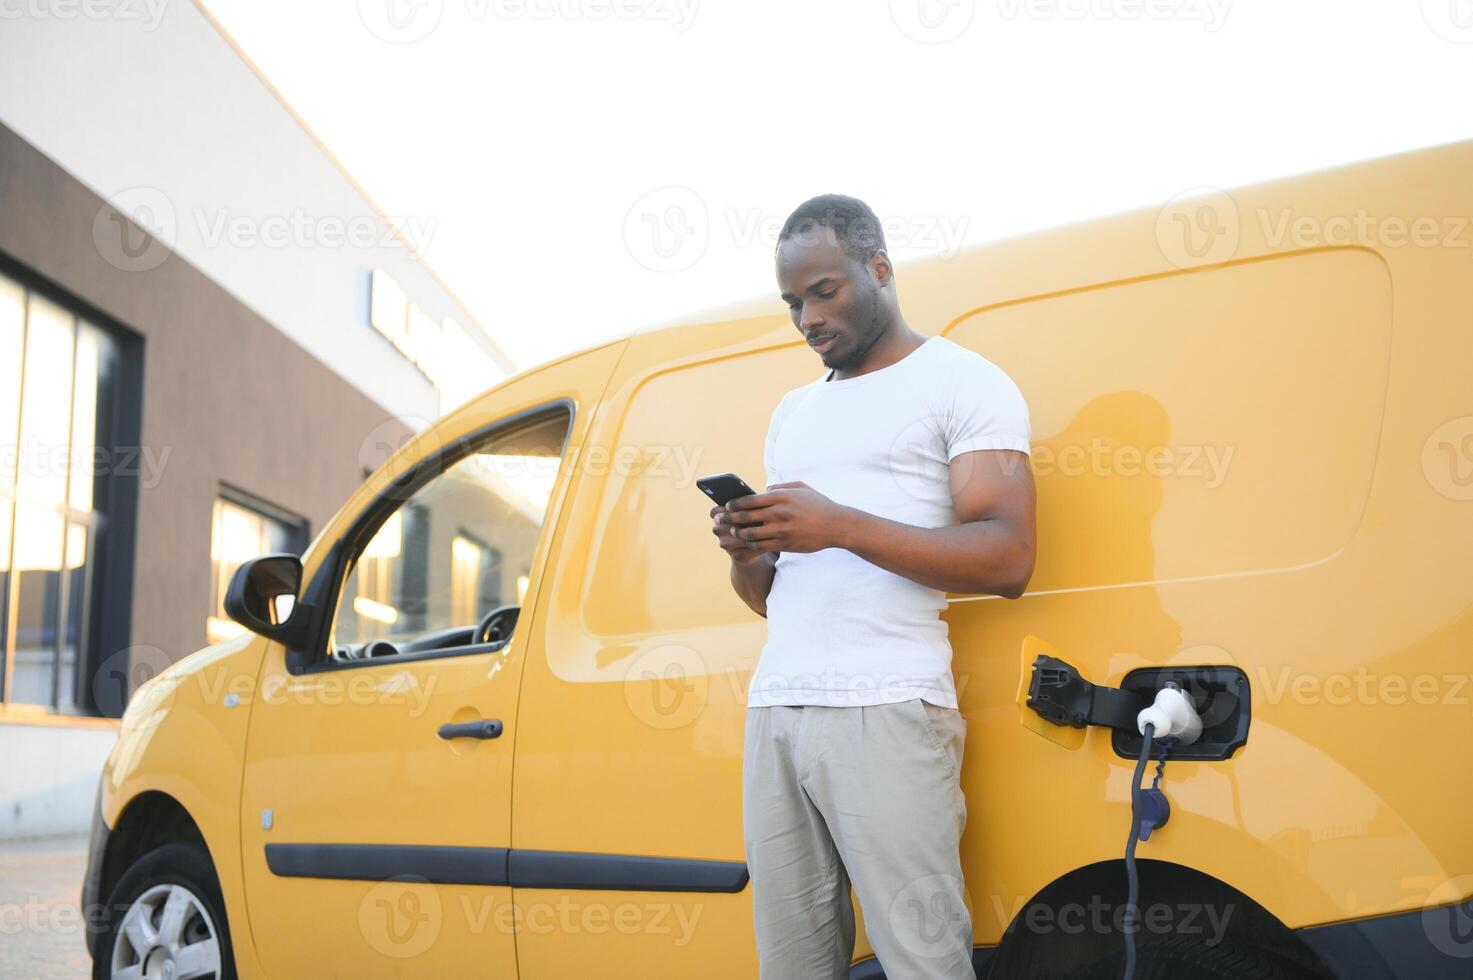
(841, 630)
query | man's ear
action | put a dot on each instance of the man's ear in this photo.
(881, 269)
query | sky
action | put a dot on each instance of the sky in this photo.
(583, 168)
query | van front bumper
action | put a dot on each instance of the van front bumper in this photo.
(92, 898)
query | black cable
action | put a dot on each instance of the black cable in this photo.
(1133, 887)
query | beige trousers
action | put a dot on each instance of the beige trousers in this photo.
(868, 796)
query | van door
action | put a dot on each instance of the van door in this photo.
(376, 799)
(627, 810)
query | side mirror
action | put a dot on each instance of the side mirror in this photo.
(263, 595)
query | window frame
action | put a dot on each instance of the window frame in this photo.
(111, 527)
(321, 597)
(298, 528)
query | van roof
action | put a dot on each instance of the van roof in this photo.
(1103, 248)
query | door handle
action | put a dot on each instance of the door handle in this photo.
(484, 728)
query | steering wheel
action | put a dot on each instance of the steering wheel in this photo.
(497, 624)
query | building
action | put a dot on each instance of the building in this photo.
(208, 336)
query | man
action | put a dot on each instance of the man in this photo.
(904, 477)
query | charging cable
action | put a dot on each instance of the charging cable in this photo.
(1174, 719)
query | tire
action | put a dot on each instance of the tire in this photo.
(180, 880)
(1180, 957)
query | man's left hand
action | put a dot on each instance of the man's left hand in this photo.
(794, 517)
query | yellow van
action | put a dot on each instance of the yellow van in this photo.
(490, 723)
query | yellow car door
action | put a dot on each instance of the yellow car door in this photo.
(375, 820)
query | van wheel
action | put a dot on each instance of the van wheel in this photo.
(1180, 956)
(166, 920)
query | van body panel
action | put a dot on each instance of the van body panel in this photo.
(180, 736)
(1335, 580)
(643, 643)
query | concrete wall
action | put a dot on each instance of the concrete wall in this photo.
(222, 397)
(226, 398)
(49, 780)
(153, 109)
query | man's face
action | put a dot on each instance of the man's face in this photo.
(835, 301)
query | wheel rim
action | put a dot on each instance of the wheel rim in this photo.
(167, 934)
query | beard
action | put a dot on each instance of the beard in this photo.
(867, 316)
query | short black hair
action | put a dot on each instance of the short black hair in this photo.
(854, 226)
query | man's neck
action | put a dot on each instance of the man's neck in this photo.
(911, 339)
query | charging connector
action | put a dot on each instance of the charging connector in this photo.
(1172, 715)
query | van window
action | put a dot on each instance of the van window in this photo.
(460, 546)
(653, 564)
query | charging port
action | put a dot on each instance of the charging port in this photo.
(1060, 695)
(1220, 695)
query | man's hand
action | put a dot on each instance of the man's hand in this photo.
(737, 549)
(793, 517)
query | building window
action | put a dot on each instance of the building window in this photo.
(243, 529)
(58, 409)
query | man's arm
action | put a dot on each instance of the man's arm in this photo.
(752, 570)
(990, 551)
(753, 580)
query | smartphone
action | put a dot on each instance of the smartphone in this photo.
(723, 487)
